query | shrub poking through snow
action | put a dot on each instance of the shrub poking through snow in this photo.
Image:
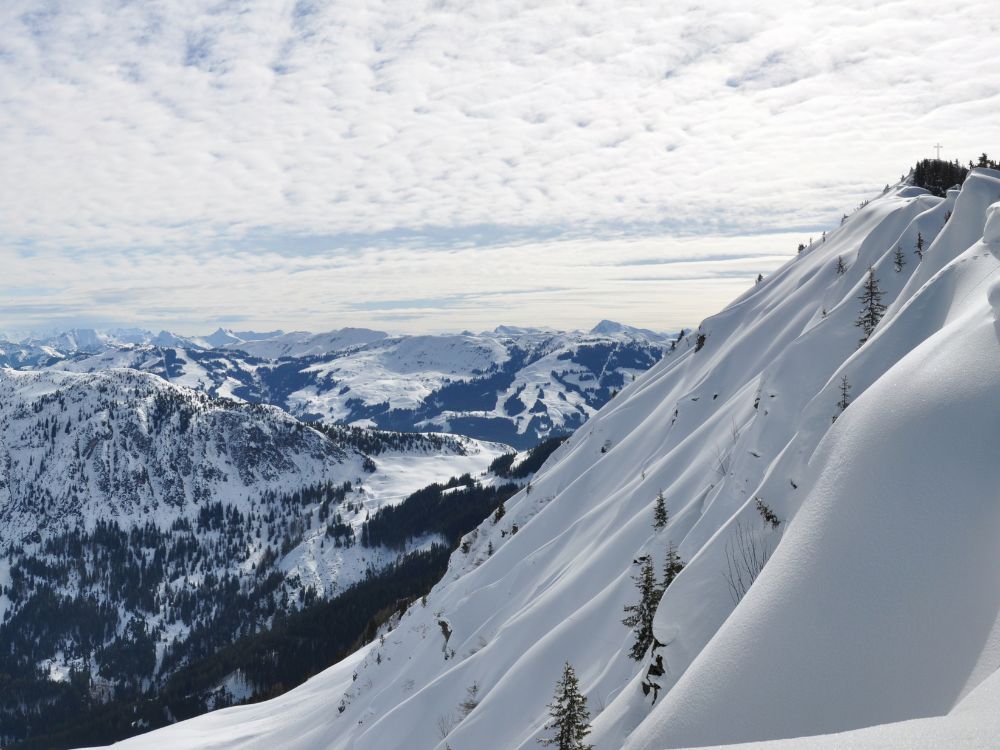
(747, 553)
(471, 699)
(767, 514)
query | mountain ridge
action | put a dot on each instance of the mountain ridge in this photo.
(868, 510)
(513, 387)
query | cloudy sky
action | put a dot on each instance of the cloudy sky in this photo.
(423, 166)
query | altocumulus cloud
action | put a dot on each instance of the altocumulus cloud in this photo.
(486, 161)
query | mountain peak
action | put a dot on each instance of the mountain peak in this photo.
(614, 328)
(221, 337)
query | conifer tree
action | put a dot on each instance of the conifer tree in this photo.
(639, 616)
(920, 246)
(841, 268)
(672, 566)
(872, 308)
(660, 516)
(898, 259)
(570, 719)
(845, 394)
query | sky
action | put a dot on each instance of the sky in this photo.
(447, 165)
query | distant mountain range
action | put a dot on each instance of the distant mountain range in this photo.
(515, 385)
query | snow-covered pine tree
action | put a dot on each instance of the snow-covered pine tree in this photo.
(660, 511)
(672, 566)
(920, 246)
(898, 259)
(841, 268)
(872, 307)
(570, 718)
(639, 616)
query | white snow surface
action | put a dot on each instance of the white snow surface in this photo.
(991, 234)
(876, 616)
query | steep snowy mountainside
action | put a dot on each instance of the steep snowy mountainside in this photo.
(973, 724)
(907, 468)
(857, 481)
(514, 387)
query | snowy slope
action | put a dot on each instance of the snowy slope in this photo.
(305, 344)
(296, 719)
(879, 601)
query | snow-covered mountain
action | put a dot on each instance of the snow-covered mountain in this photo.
(835, 506)
(135, 513)
(27, 355)
(305, 344)
(515, 386)
(92, 340)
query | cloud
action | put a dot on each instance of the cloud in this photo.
(139, 138)
(563, 283)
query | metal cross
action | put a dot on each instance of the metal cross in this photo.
(938, 147)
